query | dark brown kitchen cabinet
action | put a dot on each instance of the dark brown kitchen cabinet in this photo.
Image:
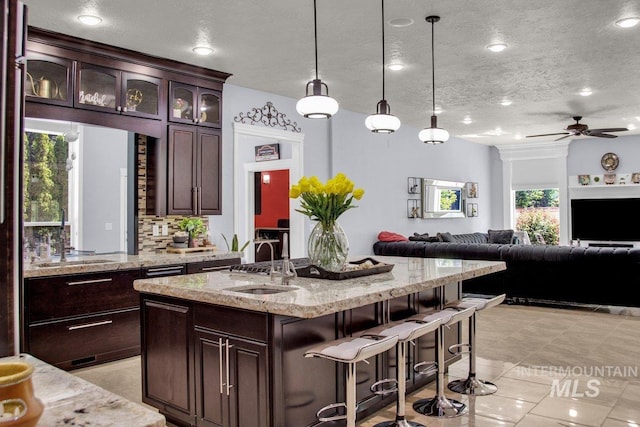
(49, 79)
(194, 105)
(116, 91)
(194, 175)
(78, 320)
(167, 367)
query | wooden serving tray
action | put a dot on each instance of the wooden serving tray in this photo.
(320, 273)
(173, 250)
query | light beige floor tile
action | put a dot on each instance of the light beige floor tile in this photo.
(628, 405)
(500, 408)
(542, 374)
(537, 421)
(580, 412)
(523, 390)
(610, 422)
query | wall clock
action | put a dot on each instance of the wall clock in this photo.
(609, 161)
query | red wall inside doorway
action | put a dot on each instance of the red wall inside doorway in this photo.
(275, 198)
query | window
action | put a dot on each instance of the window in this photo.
(46, 187)
(537, 213)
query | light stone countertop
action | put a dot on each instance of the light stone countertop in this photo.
(114, 262)
(309, 298)
(70, 400)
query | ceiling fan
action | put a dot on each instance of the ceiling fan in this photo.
(577, 129)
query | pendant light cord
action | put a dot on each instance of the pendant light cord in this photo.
(433, 72)
(382, 1)
(315, 35)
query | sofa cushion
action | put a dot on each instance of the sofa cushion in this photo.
(500, 236)
(471, 238)
(445, 237)
(423, 238)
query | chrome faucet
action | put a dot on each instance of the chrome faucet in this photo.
(288, 270)
(63, 239)
(273, 271)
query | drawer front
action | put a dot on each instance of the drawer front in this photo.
(243, 323)
(74, 295)
(87, 340)
(213, 265)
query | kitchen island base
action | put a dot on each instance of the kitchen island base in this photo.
(211, 365)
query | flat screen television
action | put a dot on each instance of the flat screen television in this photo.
(605, 219)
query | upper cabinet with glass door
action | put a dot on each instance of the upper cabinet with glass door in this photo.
(111, 90)
(194, 105)
(49, 79)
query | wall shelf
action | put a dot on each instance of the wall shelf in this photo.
(602, 191)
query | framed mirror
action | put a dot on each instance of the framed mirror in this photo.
(442, 199)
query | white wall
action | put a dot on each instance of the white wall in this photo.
(104, 153)
(380, 164)
(585, 154)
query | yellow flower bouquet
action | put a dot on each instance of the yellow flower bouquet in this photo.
(328, 246)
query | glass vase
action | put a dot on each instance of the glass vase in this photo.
(328, 246)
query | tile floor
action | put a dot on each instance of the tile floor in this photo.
(553, 367)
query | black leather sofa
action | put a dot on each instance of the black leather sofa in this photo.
(540, 273)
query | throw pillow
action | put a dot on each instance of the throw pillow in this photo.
(500, 236)
(417, 237)
(388, 236)
(445, 237)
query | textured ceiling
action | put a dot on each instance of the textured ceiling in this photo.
(555, 48)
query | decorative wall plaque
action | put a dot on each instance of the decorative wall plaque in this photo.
(268, 115)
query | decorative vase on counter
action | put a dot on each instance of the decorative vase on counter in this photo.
(18, 404)
(328, 246)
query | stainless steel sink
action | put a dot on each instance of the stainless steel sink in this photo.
(262, 289)
(71, 263)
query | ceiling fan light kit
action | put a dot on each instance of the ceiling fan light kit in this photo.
(317, 105)
(433, 134)
(383, 121)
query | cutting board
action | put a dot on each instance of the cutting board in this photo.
(173, 250)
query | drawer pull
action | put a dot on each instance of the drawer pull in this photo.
(89, 282)
(89, 325)
(159, 269)
(214, 268)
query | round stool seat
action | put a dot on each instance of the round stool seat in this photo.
(353, 349)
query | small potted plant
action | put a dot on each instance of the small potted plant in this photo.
(194, 226)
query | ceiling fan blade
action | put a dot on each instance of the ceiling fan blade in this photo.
(607, 130)
(601, 135)
(548, 134)
(563, 137)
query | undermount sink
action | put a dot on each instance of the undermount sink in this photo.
(71, 263)
(262, 289)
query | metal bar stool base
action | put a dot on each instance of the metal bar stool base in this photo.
(473, 387)
(440, 407)
(399, 423)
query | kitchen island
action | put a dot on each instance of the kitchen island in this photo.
(227, 348)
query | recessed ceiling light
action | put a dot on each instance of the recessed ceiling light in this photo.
(497, 47)
(400, 22)
(395, 67)
(89, 19)
(467, 120)
(631, 126)
(518, 136)
(586, 91)
(438, 110)
(628, 22)
(203, 50)
(506, 102)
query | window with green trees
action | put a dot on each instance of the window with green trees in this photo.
(537, 213)
(45, 184)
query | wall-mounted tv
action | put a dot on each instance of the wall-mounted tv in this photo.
(605, 219)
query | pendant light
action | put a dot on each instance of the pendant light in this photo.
(317, 105)
(433, 134)
(383, 121)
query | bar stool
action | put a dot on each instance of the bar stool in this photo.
(472, 385)
(407, 330)
(440, 405)
(350, 350)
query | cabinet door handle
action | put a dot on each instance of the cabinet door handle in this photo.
(89, 282)
(214, 268)
(199, 200)
(89, 325)
(118, 108)
(220, 345)
(229, 385)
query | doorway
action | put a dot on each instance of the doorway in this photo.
(271, 209)
(245, 138)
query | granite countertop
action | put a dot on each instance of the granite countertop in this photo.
(309, 298)
(70, 400)
(114, 262)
